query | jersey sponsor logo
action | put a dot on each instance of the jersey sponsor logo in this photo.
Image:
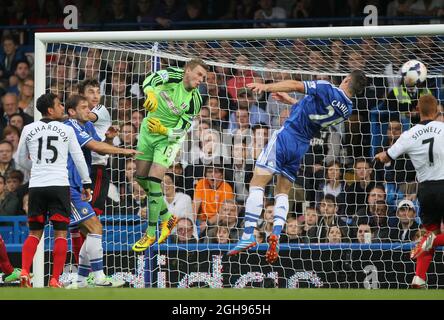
(170, 103)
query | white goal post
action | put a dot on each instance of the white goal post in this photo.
(43, 39)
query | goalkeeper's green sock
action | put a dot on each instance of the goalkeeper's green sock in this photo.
(155, 202)
(143, 182)
(164, 213)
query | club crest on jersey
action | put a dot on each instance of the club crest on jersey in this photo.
(84, 211)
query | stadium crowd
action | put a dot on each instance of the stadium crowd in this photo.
(340, 193)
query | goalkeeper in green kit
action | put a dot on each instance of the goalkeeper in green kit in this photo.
(173, 100)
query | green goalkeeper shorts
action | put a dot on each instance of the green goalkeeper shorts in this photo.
(156, 148)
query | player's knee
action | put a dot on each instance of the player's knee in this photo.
(60, 226)
(35, 226)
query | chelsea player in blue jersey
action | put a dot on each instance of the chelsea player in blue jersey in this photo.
(82, 213)
(324, 105)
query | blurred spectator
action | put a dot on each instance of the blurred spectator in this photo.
(51, 15)
(369, 49)
(363, 229)
(9, 202)
(334, 184)
(117, 13)
(132, 202)
(217, 114)
(247, 102)
(242, 170)
(168, 11)
(316, 59)
(9, 56)
(178, 203)
(266, 11)
(328, 217)
(184, 232)
(228, 217)
(300, 10)
(379, 222)
(136, 119)
(366, 213)
(21, 72)
(309, 220)
(241, 77)
(404, 99)
(145, 13)
(334, 234)
(406, 227)
(356, 192)
(241, 123)
(398, 8)
(14, 180)
(265, 222)
(195, 11)
(259, 235)
(209, 194)
(337, 55)
(399, 174)
(7, 163)
(293, 232)
(12, 135)
(261, 135)
(26, 96)
(245, 10)
(425, 8)
(393, 67)
(17, 121)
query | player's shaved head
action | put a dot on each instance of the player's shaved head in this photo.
(428, 106)
(358, 82)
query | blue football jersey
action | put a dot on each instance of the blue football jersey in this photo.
(84, 134)
(324, 105)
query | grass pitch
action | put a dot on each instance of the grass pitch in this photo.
(12, 293)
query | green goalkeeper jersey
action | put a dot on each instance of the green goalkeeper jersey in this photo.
(176, 106)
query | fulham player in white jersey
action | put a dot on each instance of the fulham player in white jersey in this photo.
(47, 143)
(424, 145)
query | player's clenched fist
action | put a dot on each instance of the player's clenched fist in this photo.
(155, 126)
(150, 103)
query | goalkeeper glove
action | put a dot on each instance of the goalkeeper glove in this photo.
(155, 126)
(150, 103)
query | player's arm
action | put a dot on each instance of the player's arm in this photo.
(168, 75)
(398, 148)
(282, 86)
(105, 148)
(23, 152)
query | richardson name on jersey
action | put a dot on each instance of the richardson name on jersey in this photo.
(47, 127)
(428, 129)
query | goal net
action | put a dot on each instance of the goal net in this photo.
(351, 222)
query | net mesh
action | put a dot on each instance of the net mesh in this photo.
(342, 242)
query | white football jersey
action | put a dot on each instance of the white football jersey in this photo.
(424, 143)
(47, 143)
(102, 124)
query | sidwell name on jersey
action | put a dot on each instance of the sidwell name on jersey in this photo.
(47, 127)
(430, 129)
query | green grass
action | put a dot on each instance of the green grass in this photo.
(217, 294)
